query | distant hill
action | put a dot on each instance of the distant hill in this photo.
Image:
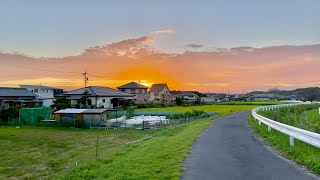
(305, 94)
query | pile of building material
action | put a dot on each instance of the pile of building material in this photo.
(137, 120)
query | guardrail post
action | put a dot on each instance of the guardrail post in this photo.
(291, 141)
(259, 123)
(269, 129)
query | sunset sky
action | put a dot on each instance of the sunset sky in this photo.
(209, 46)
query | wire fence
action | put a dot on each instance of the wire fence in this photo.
(114, 120)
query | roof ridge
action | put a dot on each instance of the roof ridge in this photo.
(133, 83)
(92, 89)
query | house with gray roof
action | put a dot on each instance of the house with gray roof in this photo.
(44, 93)
(139, 92)
(100, 97)
(17, 97)
(188, 96)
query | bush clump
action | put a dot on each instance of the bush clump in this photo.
(192, 114)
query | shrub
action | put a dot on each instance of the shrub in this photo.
(188, 114)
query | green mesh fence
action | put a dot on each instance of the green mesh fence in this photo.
(33, 116)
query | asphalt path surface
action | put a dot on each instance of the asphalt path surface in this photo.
(228, 149)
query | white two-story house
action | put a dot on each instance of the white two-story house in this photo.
(100, 97)
(188, 96)
(44, 93)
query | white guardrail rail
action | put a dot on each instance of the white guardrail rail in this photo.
(293, 132)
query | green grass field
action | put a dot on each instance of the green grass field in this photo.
(221, 109)
(41, 153)
(52, 153)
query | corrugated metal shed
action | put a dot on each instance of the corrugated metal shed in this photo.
(94, 111)
(70, 111)
(81, 111)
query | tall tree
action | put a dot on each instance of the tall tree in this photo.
(84, 98)
(61, 103)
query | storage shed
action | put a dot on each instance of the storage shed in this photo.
(87, 117)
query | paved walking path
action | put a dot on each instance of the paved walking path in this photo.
(228, 149)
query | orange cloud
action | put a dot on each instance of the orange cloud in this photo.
(235, 70)
(128, 47)
(164, 31)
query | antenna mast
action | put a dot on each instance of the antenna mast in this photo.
(86, 79)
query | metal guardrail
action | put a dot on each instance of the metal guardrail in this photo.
(293, 132)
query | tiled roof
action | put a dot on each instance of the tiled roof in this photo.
(132, 85)
(98, 91)
(15, 92)
(39, 87)
(158, 88)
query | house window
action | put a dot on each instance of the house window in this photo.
(89, 102)
(36, 90)
(103, 100)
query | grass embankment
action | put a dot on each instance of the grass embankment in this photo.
(301, 153)
(52, 153)
(301, 116)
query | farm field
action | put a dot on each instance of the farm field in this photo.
(221, 109)
(68, 153)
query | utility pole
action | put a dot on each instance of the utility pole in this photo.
(85, 75)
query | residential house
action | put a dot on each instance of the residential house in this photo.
(159, 92)
(139, 92)
(44, 93)
(188, 96)
(208, 99)
(17, 97)
(261, 97)
(100, 97)
(219, 97)
(229, 97)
